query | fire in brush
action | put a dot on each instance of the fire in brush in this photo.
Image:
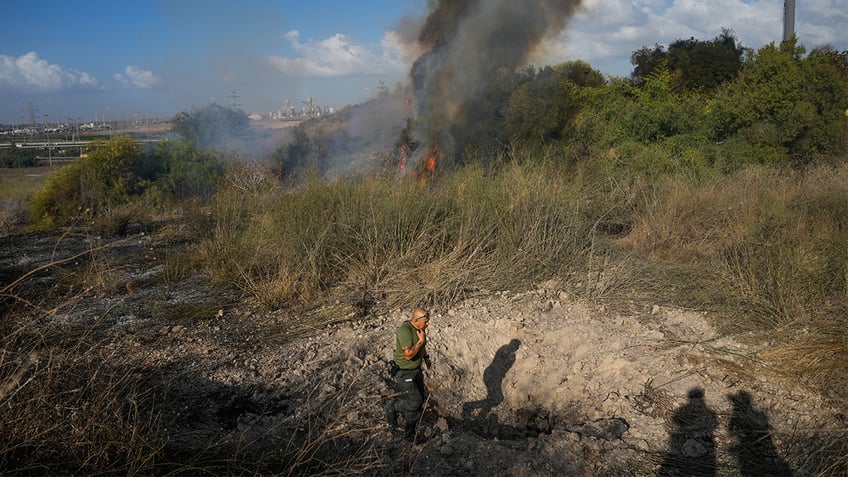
(426, 170)
(465, 44)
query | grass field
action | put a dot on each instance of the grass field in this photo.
(20, 183)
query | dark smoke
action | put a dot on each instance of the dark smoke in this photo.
(467, 45)
(470, 52)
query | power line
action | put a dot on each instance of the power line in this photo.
(234, 97)
(31, 109)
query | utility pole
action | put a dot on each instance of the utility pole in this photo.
(47, 134)
(31, 109)
(234, 97)
(74, 127)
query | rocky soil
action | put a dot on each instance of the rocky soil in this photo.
(525, 383)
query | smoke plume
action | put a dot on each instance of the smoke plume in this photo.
(468, 53)
(466, 43)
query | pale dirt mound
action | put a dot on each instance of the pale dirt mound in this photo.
(609, 389)
(524, 383)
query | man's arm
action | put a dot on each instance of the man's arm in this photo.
(409, 353)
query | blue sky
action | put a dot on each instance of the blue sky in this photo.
(77, 59)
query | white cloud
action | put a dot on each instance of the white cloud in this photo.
(30, 73)
(822, 22)
(339, 55)
(139, 78)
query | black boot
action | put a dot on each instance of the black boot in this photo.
(391, 414)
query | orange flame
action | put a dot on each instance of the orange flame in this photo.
(428, 171)
(430, 165)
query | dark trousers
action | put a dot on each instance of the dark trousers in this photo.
(410, 385)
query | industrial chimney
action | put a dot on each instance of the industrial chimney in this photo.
(788, 19)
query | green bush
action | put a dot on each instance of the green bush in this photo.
(788, 108)
(17, 157)
(178, 171)
(117, 177)
(109, 176)
(92, 185)
(60, 200)
(299, 158)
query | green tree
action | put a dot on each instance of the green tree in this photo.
(781, 104)
(542, 109)
(705, 64)
(826, 87)
(17, 157)
(581, 74)
(837, 59)
(212, 126)
(645, 60)
(694, 64)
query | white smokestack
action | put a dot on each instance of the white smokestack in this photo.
(788, 19)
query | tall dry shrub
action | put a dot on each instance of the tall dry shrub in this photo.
(770, 245)
(400, 241)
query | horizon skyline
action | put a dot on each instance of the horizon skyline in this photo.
(96, 58)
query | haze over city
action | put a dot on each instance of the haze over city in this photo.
(91, 60)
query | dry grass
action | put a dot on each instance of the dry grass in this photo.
(772, 243)
(20, 183)
(396, 240)
(72, 405)
(333, 442)
(773, 237)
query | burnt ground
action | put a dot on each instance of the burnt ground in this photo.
(532, 382)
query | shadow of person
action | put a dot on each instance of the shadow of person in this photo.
(754, 450)
(493, 377)
(691, 448)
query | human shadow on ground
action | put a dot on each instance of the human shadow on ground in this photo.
(480, 417)
(753, 448)
(691, 447)
(493, 377)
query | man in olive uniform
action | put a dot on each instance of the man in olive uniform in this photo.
(410, 352)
